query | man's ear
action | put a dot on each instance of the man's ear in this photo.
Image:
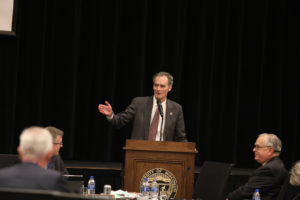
(170, 88)
(272, 150)
(20, 153)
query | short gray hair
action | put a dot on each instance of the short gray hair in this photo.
(35, 142)
(295, 174)
(167, 74)
(272, 141)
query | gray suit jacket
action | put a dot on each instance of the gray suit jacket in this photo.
(140, 112)
(30, 176)
(267, 178)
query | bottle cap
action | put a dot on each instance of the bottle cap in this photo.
(256, 190)
(92, 177)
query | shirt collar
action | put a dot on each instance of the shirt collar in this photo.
(162, 103)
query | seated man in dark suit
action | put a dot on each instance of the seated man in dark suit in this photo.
(269, 177)
(35, 150)
(56, 163)
(291, 188)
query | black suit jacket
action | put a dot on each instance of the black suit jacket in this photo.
(140, 112)
(30, 176)
(292, 193)
(56, 163)
(288, 191)
(267, 178)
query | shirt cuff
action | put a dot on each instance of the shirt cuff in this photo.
(109, 118)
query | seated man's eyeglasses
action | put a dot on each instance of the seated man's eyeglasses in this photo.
(58, 143)
(260, 147)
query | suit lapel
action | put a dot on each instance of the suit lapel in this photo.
(167, 119)
(147, 116)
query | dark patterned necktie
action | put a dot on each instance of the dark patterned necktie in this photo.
(154, 126)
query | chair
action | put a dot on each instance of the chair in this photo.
(288, 191)
(284, 188)
(212, 181)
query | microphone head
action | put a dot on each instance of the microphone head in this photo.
(158, 101)
(160, 109)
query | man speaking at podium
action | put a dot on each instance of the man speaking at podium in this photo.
(154, 118)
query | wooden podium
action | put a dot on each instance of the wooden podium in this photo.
(170, 163)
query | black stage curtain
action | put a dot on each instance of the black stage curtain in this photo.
(235, 65)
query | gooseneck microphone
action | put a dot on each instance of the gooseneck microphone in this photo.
(161, 112)
(160, 109)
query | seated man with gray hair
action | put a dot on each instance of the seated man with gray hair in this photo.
(291, 188)
(269, 177)
(35, 150)
(294, 192)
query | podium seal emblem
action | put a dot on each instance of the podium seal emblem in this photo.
(166, 181)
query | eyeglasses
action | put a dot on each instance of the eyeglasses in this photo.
(58, 143)
(260, 147)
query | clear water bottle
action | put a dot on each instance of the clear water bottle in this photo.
(145, 187)
(256, 195)
(91, 186)
(154, 189)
